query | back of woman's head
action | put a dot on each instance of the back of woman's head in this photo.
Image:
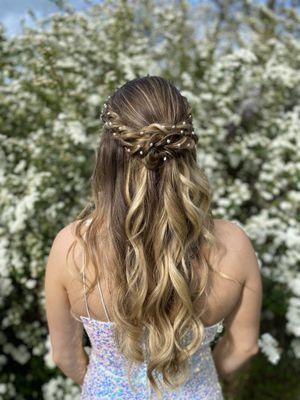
(152, 204)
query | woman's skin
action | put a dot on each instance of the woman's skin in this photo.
(238, 305)
(66, 333)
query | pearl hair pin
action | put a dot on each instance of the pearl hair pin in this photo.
(181, 127)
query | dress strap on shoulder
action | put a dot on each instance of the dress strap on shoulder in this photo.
(84, 283)
(102, 300)
(84, 280)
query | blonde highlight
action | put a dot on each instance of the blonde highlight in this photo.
(156, 223)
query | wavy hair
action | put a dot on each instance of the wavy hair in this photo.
(151, 210)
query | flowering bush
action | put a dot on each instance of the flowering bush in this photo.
(244, 88)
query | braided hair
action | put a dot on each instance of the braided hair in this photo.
(155, 143)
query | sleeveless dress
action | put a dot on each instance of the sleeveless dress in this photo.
(106, 376)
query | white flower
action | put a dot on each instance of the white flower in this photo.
(30, 283)
(295, 345)
(295, 285)
(269, 346)
(94, 99)
(2, 388)
(76, 131)
(48, 357)
(293, 316)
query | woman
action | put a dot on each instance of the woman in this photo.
(153, 276)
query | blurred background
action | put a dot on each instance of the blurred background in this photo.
(16, 13)
(238, 63)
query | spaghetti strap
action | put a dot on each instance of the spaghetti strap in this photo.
(102, 300)
(84, 282)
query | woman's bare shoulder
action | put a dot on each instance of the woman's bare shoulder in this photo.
(67, 234)
(63, 241)
(232, 232)
(234, 247)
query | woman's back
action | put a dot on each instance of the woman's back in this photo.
(224, 294)
(158, 255)
(106, 376)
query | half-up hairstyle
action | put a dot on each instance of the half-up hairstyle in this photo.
(152, 204)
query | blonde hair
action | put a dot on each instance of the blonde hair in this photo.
(154, 201)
